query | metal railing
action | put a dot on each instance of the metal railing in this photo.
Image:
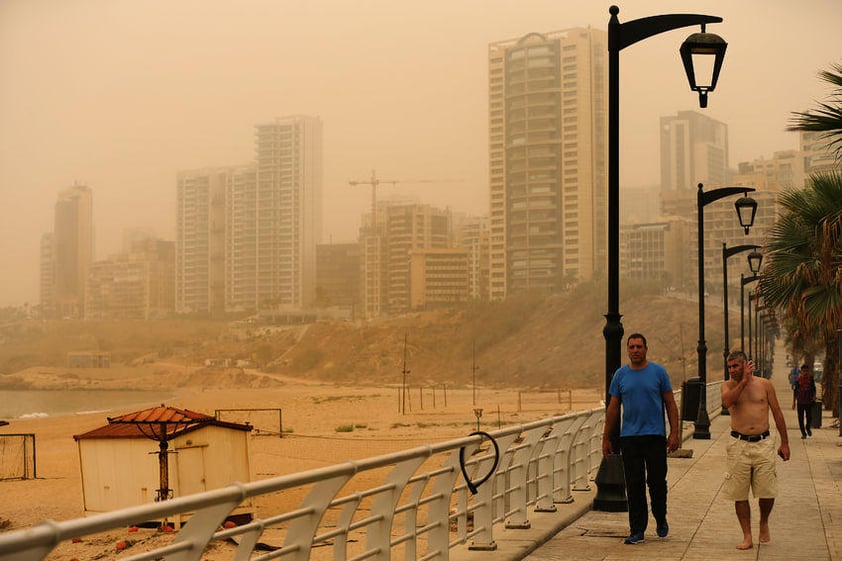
(416, 505)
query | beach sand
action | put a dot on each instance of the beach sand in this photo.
(312, 413)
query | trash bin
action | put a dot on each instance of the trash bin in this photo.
(691, 391)
(816, 414)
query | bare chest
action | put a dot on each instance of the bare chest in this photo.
(753, 394)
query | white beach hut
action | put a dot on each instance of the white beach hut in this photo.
(161, 453)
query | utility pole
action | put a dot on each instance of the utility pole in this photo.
(404, 372)
(474, 369)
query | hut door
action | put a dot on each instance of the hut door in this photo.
(191, 470)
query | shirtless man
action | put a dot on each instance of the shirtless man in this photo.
(750, 459)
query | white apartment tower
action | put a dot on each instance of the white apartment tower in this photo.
(288, 210)
(241, 239)
(548, 151)
(200, 232)
(694, 149)
(247, 235)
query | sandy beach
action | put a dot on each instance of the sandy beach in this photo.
(323, 424)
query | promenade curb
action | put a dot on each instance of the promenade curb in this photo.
(516, 544)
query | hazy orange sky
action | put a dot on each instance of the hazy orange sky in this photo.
(121, 94)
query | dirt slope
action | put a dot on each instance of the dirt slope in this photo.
(534, 342)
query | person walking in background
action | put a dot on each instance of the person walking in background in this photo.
(750, 452)
(643, 389)
(805, 396)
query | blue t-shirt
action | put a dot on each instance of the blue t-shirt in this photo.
(641, 395)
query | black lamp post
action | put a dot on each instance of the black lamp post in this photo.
(744, 281)
(611, 488)
(758, 334)
(755, 258)
(751, 296)
(746, 209)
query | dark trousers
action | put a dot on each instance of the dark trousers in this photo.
(805, 419)
(645, 463)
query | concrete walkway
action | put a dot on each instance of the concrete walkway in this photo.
(806, 522)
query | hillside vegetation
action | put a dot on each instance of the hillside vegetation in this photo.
(529, 341)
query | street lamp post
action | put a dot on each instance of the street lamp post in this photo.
(744, 281)
(758, 334)
(611, 488)
(755, 258)
(751, 296)
(746, 209)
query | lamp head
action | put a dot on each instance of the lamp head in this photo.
(702, 55)
(746, 209)
(755, 259)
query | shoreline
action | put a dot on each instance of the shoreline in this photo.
(46, 403)
(357, 421)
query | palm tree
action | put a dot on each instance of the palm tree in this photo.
(802, 276)
(827, 117)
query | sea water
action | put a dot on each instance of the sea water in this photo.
(23, 404)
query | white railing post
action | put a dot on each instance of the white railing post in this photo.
(516, 517)
(378, 534)
(487, 495)
(563, 465)
(201, 526)
(581, 451)
(300, 534)
(545, 472)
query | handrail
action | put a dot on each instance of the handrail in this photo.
(413, 504)
(415, 500)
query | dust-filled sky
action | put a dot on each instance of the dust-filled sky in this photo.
(120, 94)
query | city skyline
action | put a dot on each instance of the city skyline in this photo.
(120, 98)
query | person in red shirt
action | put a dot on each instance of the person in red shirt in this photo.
(805, 396)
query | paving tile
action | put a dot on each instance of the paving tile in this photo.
(806, 523)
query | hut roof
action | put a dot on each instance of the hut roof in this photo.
(162, 414)
(174, 420)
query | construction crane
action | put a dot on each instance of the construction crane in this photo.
(372, 245)
(374, 182)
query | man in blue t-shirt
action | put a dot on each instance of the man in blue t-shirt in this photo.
(643, 389)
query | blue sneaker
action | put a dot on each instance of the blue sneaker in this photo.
(662, 529)
(634, 538)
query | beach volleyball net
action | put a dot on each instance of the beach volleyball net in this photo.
(266, 421)
(17, 456)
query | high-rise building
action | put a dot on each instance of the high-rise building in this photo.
(694, 149)
(200, 241)
(73, 250)
(818, 155)
(785, 170)
(656, 251)
(438, 278)
(247, 235)
(47, 287)
(548, 152)
(241, 239)
(409, 227)
(288, 211)
(135, 284)
(338, 273)
(471, 233)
